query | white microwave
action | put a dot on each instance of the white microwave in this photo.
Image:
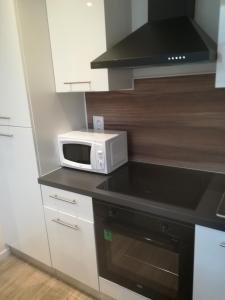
(93, 151)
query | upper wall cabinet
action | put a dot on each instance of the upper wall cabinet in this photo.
(82, 30)
(220, 74)
(14, 108)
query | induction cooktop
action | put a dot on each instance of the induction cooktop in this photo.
(174, 186)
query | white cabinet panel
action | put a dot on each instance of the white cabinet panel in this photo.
(72, 245)
(23, 215)
(6, 213)
(14, 108)
(79, 34)
(220, 72)
(118, 292)
(209, 266)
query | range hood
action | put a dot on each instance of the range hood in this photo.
(171, 36)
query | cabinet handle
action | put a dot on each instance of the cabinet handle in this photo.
(58, 221)
(5, 118)
(63, 199)
(6, 135)
(222, 245)
(77, 82)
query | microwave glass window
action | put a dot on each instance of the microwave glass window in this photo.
(77, 153)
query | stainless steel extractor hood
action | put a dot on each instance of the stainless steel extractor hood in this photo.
(171, 36)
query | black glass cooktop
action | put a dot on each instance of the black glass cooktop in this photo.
(174, 186)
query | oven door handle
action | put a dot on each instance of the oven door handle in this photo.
(158, 239)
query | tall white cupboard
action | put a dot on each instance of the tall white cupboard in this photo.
(21, 210)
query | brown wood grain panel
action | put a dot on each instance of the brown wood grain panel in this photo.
(175, 121)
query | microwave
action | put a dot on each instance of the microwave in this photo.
(93, 151)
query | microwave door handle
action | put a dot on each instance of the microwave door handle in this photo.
(93, 158)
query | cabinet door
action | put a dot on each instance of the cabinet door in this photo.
(209, 268)
(14, 108)
(23, 223)
(72, 246)
(78, 36)
(220, 72)
(6, 216)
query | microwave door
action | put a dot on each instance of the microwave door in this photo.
(78, 155)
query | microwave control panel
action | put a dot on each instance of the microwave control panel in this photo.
(100, 160)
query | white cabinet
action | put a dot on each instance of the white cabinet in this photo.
(209, 266)
(72, 245)
(22, 214)
(14, 109)
(69, 218)
(220, 73)
(21, 209)
(80, 31)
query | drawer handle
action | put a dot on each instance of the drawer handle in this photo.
(222, 245)
(77, 82)
(6, 135)
(63, 199)
(58, 221)
(5, 118)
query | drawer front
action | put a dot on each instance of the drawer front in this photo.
(72, 245)
(71, 203)
(118, 292)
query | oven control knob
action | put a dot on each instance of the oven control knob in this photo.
(164, 228)
(112, 212)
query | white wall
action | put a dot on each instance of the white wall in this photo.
(52, 113)
(220, 74)
(139, 13)
(206, 14)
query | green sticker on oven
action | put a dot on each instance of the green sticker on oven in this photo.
(108, 235)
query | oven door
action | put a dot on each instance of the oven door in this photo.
(151, 264)
(78, 155)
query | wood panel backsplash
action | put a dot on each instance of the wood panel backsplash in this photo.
(177, 121)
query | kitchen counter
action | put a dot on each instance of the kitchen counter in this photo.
(86, 183)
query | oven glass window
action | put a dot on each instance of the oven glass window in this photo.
(142, 263)
(77, 153)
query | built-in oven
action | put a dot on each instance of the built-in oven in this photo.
(150, 255)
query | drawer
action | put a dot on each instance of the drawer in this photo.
(72, 244)
(67, 202)
(118, 292)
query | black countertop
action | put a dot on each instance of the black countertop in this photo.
(204, 213)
